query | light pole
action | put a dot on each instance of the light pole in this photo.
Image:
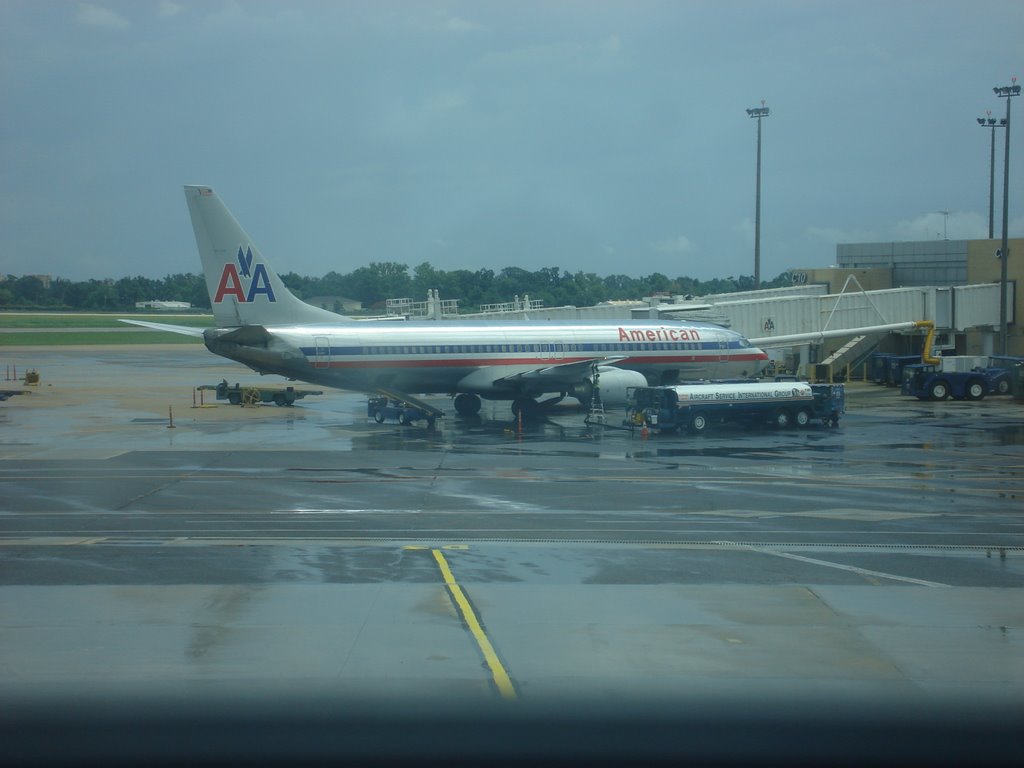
(1005, 92)
(990, 123)
(758, 113)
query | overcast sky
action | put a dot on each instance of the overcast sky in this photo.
(607, 137)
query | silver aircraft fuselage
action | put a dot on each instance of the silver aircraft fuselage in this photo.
(489, 359)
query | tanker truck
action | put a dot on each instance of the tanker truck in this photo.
(783, 404)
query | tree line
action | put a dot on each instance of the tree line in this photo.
(372, 285)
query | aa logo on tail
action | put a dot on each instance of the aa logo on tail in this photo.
(231, 282)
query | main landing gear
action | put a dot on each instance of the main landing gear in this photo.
(526, 407)
(467, 404)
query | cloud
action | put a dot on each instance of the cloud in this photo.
(934, 225)
(938, 225)
(168, 8)
(96, 16)
(461, 26)
(745, 227)
(833, 235)
(440, 21)
(678, 244)
(596, 57)
(444, 101)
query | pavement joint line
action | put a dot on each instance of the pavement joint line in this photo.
(498, 673)
(850, 568)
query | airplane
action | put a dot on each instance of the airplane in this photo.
(261, 324)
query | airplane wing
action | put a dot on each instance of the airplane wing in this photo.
(562, 372)
(184, 330)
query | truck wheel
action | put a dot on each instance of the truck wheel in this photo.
(378, 416)
(279, 399)
(782, 418)
(803, 417)
(699, 422)
(1003, 387)
(939, 390)
(234, 398)
(975, 389)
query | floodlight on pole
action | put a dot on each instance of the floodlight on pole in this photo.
(1005, 92)
(758, 113)
(991, 123)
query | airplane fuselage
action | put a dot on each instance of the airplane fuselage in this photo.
(445, 357)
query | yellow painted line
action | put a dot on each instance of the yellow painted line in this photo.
(501, 678)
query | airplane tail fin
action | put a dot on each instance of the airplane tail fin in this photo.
(244, 289)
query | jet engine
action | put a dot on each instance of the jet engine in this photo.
(613, 383)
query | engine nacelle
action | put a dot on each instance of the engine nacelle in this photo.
(613, 383)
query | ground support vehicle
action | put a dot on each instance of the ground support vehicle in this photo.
(930, 382)
(894, 374)
(879, 366)
(1014, 364)
(381, 408)
(1017, 388)
(253, 395)
(696, 406)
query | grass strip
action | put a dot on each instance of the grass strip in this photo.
(14, 320)
(85, 338)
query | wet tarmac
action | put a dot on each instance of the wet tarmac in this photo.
(146, 540)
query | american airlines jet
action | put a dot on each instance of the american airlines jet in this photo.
(260, 323)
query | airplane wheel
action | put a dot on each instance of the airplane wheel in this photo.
(467, 405)
(525, 405)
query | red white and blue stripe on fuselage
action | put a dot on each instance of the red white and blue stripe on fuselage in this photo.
(631, 353)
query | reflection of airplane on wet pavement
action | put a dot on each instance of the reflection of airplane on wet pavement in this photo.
(260, 323)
